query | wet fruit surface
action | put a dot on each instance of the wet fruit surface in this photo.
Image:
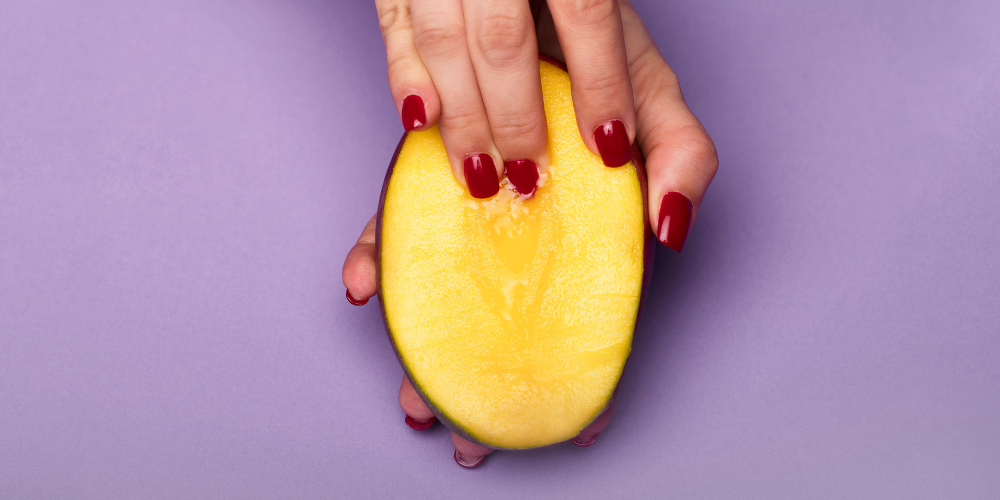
(513, 315)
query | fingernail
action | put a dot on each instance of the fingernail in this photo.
(583, 444)
(523, 174)
(355, 301)
(612, 141)
(675, 220)
(414, 115)
(481, 175)
(420, 426)
(466, 462)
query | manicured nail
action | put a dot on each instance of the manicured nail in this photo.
(675, 220)
(523, 174)
(481, 175)
(414, 115)
(583, 444)
(612, 141)
(420, 426)
(466, 462)
(355, 301)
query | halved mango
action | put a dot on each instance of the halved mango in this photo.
(513, 316)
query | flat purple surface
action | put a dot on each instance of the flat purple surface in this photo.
(180, 181)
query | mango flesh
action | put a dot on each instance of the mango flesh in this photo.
(513, 316)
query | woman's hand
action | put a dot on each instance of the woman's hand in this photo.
(476, 118)
(471, 66)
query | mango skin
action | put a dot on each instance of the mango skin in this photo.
(648, 261)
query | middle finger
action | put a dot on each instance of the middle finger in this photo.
(440, 37)
(505, 55)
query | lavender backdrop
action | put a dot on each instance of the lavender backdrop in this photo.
(180, 181)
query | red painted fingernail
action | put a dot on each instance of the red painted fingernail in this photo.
(414, 115)
(612, 141)
(481, 175)
(420, 426)
(675, 220)
(583, 444)
(523, 174)
(355, 301)
(466, 462)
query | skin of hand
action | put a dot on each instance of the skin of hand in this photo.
(471, 66)
(680, 157)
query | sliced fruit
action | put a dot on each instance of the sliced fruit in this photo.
(513, 315)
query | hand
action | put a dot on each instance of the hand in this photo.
(680, 164)
(471, 66)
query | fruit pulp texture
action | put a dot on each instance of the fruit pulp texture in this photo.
(514, 315)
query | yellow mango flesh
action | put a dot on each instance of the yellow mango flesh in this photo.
(513, 316)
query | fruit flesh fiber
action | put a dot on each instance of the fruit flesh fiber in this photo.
(513, 316)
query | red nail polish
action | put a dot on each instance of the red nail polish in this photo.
(583, 444)
(612, 141)
(481, 175)
(355, 301)
(420, 426)
(414, 115)
(523, 174)
(467, 462)
(675, 220)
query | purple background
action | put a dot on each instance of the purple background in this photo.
(180, 181)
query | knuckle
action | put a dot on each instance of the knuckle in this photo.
(503, 36)
(399, 64)
(518, 127)
(438, 35)
(392, 16)
(653, 82)
(587, 12)
(605, 90)
(699, 152)
(463, 121)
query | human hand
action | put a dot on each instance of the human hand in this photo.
(680, 156)
(471, 66)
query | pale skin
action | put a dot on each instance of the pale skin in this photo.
(474, 63)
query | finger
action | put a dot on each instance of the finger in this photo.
(467, 453)
(681, 159)
(418, 415)
(590, 33)
(588, 435)
(359, 267)
(409, 82)
(505, 56)
(440, 38)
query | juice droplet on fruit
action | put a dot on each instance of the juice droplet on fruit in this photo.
(509, 282)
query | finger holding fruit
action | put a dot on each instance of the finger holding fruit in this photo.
(680, 158)
(470, 66)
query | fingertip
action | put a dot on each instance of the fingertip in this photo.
(413, 113)
(482, 176)
(467, 453)
(674, 220)
(418, 425)
(523, 174)
(613, 143)
(412, 405)
(588, 436)
(680, 167)
(360, 272)
(354, 301)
